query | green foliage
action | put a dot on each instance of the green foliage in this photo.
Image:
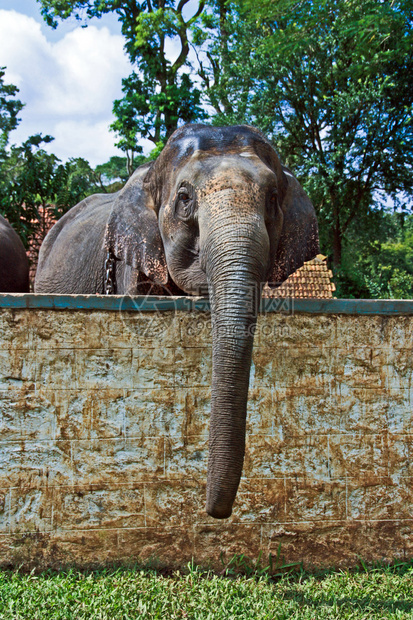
(378, 259)
(373, 592)
(34, 182)
(329, 82)
(113, 174)
(76, 180)
(115, 169)
(151, 113)
(160, 95)
(9, 109)
(30, 179)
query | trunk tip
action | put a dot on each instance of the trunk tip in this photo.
(218, 511)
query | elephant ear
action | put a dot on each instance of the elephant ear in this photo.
(299, 236)
(132, 232)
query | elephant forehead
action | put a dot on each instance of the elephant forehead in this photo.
(218, 196)
(243, 165)
(230, 184)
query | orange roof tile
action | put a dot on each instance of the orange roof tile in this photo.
(312, 280)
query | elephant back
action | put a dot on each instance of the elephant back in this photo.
(14, 264)
(72, 255)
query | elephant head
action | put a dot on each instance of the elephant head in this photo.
(217, 210)
(14, 265)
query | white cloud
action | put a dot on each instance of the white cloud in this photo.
(81, 138)
(68, 85)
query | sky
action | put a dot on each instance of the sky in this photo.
(68, 79)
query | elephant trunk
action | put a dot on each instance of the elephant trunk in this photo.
(236, 258)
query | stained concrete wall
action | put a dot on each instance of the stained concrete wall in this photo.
(104, 423)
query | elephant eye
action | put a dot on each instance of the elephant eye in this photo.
(272, 204)
(184, 196)
(184, 204)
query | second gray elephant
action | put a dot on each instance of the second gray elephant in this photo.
(14, 265)
(217, 210)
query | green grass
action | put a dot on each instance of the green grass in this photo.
(369, 592)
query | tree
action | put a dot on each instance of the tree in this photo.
(159, 94)
(116, 169)
(380, 264)
(37, 187)
(77, 179)
(31, 183)
(212, 38)
(9, 109)
(330, 82)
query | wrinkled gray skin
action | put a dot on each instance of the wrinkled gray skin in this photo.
(14, 265)
(215, 209)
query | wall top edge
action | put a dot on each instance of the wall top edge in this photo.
(164, 304)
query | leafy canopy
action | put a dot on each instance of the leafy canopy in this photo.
(330, 81)
(9, 109)
(34, 181)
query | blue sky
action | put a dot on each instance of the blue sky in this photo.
(68, 78)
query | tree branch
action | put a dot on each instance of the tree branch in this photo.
(194, 17)
(181, 5)
(183, 37)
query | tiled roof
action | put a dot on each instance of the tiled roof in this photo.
(313, 279)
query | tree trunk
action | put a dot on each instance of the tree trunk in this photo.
(337, 247)
(337, 232)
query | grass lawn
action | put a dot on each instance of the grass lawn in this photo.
(368, 592)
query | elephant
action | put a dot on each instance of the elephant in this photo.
(14, 264)
(215, 211)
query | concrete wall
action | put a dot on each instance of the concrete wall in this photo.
(104, 425)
